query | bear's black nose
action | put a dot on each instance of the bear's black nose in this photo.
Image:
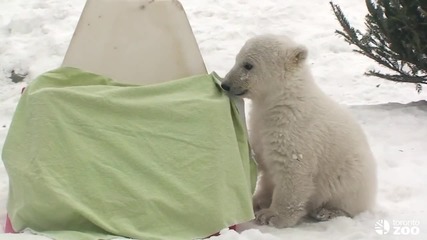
(225, 87)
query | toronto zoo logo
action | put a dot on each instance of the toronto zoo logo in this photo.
(397, 227)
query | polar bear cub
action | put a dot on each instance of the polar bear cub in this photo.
(313, 158)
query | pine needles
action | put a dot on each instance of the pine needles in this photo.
(395, 37)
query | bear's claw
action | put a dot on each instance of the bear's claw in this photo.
(273, 218)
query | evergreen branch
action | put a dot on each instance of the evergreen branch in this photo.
(397, 78)
(344, 22)
(383, 61)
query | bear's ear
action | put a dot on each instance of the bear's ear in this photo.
(299, 54)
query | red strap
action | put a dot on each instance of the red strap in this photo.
(8, 227)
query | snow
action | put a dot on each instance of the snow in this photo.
(34, 35)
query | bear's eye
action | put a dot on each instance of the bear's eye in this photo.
(248, 66)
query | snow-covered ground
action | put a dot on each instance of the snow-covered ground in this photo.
(34, 35)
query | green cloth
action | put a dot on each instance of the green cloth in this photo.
(89, 158)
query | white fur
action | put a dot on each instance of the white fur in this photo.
(313, 158)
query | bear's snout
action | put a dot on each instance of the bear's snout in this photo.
(225, 86)
(232, 87)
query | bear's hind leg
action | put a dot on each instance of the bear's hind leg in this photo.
(324, 214)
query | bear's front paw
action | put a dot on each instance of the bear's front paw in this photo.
(273, 218)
